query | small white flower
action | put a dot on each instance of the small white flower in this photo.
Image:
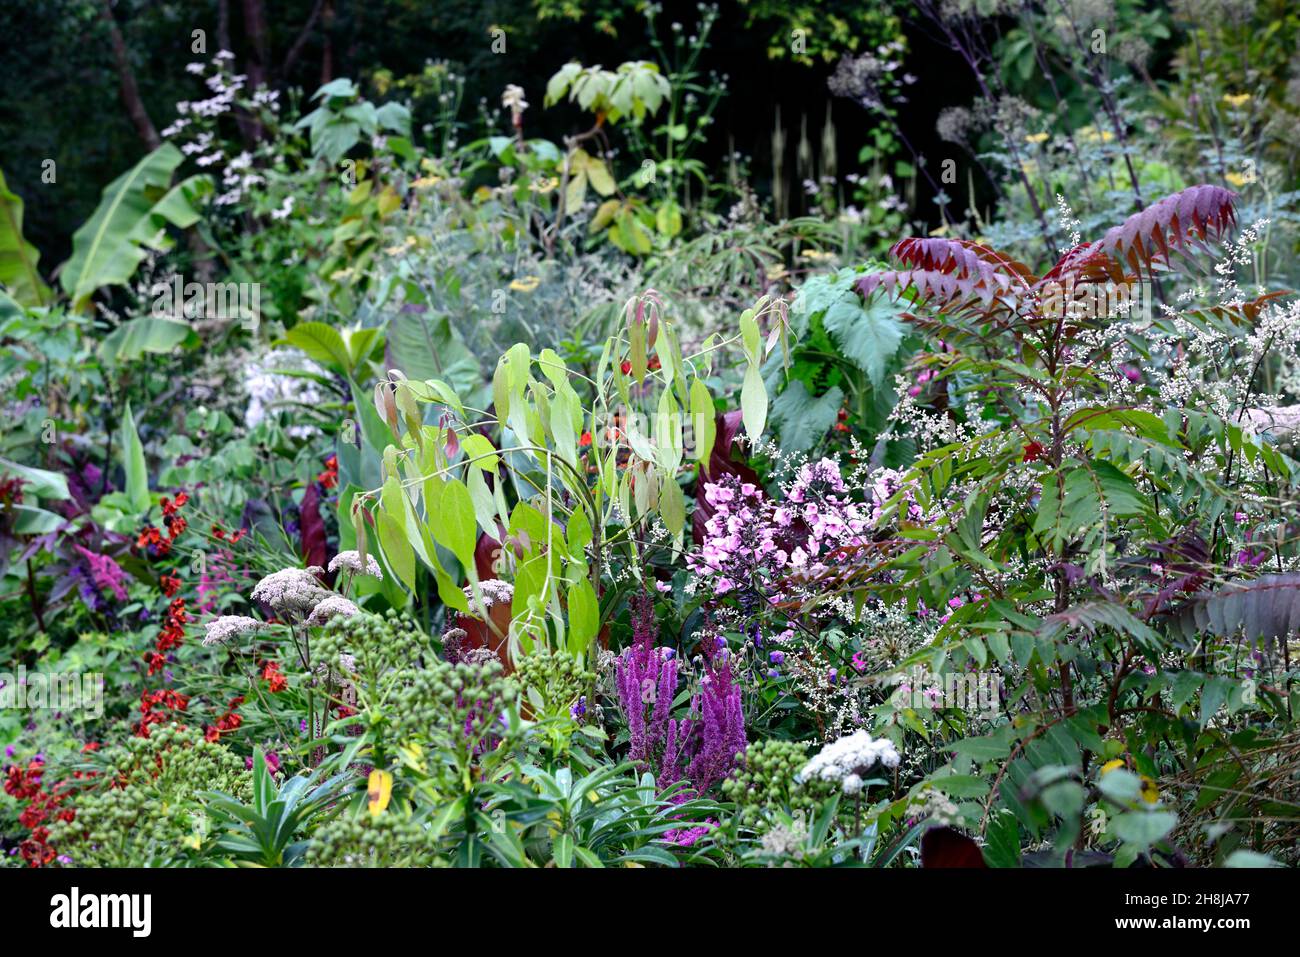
(844, 761)
(228, 627)
(513, 99)
(332, 607)
(291, 591)
(494, 592)
(351, 561)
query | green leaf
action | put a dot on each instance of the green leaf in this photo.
(131, 218)
(704, 425)
(1003, 836)
(137, 476)
(753, 403)
(961, 785)
(322, 343)
(1143, 828)
(672, 507)
(869, 336)
(584, 616)
(426, 346)
(149, 334)
(454, 526)
(40, 482)
(802, 419)
(18, 258)
(397, 549)
(562, 850)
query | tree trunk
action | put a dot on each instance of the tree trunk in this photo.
(259, 64)
(223, 25)
(327, 51)
(130, 92)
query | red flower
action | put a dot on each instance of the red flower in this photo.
(626, 367)
(330, 477)
(272, 675)
(170, 584)
(585, 441)
(1033, 452)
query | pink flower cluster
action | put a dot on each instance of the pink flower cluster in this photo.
(106, 573)
(741, 544)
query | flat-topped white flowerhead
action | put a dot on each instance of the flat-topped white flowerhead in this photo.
(335, 606)
(846, 760)
(227, 628)
(291, 591)
(350, 560)
(494, 591)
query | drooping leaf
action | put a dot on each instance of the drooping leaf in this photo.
(18, 258)
(144, 334)
(131, 219)
(1265, 608)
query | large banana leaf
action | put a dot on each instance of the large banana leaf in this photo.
(132, 218)
(18, 257)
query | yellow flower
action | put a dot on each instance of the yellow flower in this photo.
(1236, 179)
(1148, 790)
(1090, 134)
(424, 182)
(544, 185)
(1036, 138)
(380, 791)
(527, 284)
(816, 255)
(1238, 99)
(1150, 793)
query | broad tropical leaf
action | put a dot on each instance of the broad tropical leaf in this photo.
(131, 218)
(18, 257)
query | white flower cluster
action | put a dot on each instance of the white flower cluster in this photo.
(350, 560)
(269, 387)
(846, 760)
(334, 606)
(222, 630)
(494, 591)
(291, 591)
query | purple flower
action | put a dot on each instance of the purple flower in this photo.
(646, 677)
(106, 573)
(776, 657)
(703, 750)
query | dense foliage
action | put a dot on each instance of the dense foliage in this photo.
(386, 485)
